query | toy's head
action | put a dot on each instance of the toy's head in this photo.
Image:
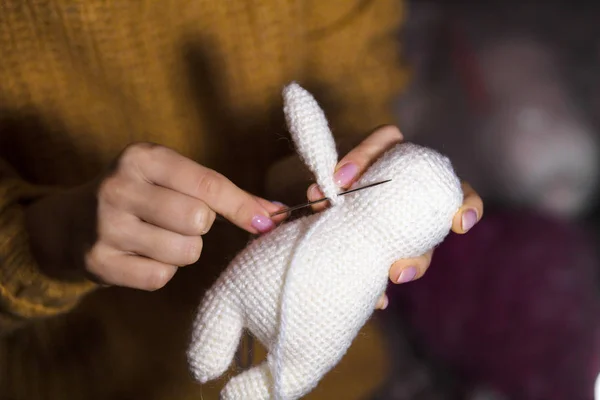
(423, 195)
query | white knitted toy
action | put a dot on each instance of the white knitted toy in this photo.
(305, 289)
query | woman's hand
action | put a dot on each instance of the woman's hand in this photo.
(350, 168)
(140, 222)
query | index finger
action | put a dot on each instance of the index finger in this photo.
(167, 168)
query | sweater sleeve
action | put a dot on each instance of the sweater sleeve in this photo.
(354, 60)
(25, 292)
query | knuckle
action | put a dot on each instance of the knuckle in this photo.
(114, 190)
(137, 154)
(208, 183)
(137, 150)
(159, 277)
(114, 229)
(95, 263)
(239, 211)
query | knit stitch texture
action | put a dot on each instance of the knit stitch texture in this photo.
(314, 141)
(305, 289)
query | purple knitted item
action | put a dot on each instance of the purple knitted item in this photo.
(512, 305)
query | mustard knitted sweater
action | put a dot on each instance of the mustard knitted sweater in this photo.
(81, 79)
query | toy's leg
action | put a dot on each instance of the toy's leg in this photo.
(307, 356)
(251, 384)
(257, 383)
(215, 338)
(297, 377)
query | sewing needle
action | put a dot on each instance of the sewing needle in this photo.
(310, 203)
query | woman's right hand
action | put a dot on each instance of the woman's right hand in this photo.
(141, 221)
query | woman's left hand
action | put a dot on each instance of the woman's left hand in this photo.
(350, 168)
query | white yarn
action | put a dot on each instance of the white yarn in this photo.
(314, 141)
(276, 361)
(315, 144)
(336, 263)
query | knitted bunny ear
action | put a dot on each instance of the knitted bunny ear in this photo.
(312, 136)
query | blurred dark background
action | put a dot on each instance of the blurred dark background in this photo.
(511, 92)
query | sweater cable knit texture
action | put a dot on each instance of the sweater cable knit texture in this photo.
(290, 287)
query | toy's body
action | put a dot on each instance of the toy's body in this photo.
(305, 289)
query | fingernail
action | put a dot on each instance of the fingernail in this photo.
(262, 223)
(280, 204)
(345, 174)
(314, 192)
(385, 304)
(469, 219)
(407, 275)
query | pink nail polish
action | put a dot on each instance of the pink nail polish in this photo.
(407, 275)
(346, 174)
(469, 219)
(262, 223)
